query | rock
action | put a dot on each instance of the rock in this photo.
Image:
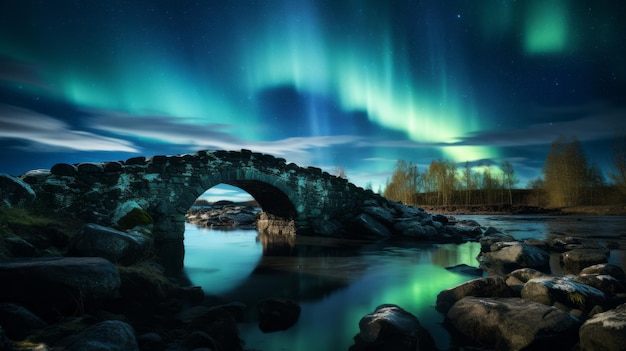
(64, 169)
(604, 331)
(412, 229)
(519, 277)
(325, 227)
(607, 269)
(440, 218)
(577, 259)
(564, 291)
(19, 247)
(198, 339)
(391, 328)
(118, 247)
(129, 214)
(5, 343)
(488, 240)
(381, 214)
(150, 342)
(605, 283)
(15, 192)
(277, 314)
(370, 226)
(466, 270)
(512, 324)
(510, 258)
(103, 336)
(58, 283)
(493, 286)
(491, 231)
(18, 322)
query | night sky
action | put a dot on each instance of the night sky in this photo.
(355, 84)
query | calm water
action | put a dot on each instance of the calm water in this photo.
(337, 283)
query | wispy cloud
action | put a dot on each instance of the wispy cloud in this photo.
(589, 128)
(209, 136)
(39, 129)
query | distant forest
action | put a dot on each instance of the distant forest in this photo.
(568, 178)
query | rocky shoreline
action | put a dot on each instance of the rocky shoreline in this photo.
(101, 289)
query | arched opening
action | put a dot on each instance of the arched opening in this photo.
(221, 241)
(230, 227)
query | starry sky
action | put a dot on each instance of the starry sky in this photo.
(352, 84)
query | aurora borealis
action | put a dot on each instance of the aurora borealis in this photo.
(356, 84)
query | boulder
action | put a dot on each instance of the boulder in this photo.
(604, 331)
(519, 277)
(577, 259)
(15, 192)
(58, 283)
(510, 258)
(391, 328)
(104, 336)
(511, 324)
(277, 314)
(130, 214)
(493, 286)
(370, 226)
(381, 214)
(564, 291)
(18, 322)
(607, 269)
(603, 282)
(118, 247)
(63, 169)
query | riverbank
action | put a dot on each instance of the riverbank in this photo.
(505, 209)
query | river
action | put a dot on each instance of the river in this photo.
(336, 282)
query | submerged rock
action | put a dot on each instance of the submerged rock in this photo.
(277, 314)
(494, 286)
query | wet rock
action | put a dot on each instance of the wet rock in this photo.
(605, 283)
(604, 331)
(223, 215)
(606, 269)
(58, 283)
(103, 336)
(466, 270)
(519, 277)
(15, 192)
(382, 214)
(564, 292)
(489, 239)
(493, 286)
(512, 257)
(391, 328)
(118, 247)
(577, 259)
(511, 324)
(412, 229)
(18, 322)
(277, 314)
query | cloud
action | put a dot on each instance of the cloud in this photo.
(36, 128)
(176, 131)
(588, 128)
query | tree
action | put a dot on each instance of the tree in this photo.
(443, 173)
(468, 179)
(509, 179)
(537, 185)
(403, 184)
(565, 172)
(618, 176)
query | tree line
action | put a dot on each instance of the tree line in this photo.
(568, 178)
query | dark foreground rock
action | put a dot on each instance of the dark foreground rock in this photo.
(103, 336)
(15, 192)
(511, 324)
(605, 331)
(58, 283)
(391, 328)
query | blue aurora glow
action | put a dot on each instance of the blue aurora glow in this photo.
(356, 84)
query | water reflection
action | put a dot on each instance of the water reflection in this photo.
(336, 283)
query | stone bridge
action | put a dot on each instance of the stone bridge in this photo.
(155, 194)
